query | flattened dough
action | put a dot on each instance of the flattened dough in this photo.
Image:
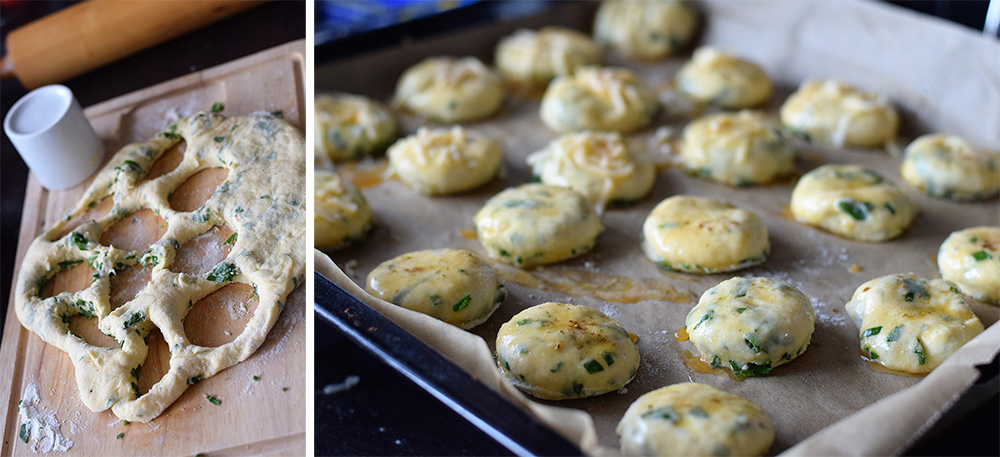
(738, 149)
(645, 29)
(947, 166)
(557, 351)
(445, 161)
(342, 215)
(841, 115)
(533, 58)
(971, 259)
(453, 285)
(852, 202)
(724, 80)
(351, 127)
(703, 235)
(447, 89)
(911, 324)
(595, 98)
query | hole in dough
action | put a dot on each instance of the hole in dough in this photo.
(100, 209)
(86, 328)
(221, 316)
(135, 232)
(167, 162)
(127, 283)
(202, 253)
(72, 279)
(157, 361)
(196, 190)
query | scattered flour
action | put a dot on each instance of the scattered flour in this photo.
(38, 428)
(349, 382)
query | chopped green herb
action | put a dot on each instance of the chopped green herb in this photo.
(24, 433)
(914, 289)
(172, 133)
(216, 107)
(135, 390)
(220, 139)
(894, 334)
(136, 371)
(981, 255)
(919, 351)
(213, 400)
(232, 238)
(740, 310)
(524, 321)
(194, 379)
(120, 435)
(222, 272)
(891, 208)
(577, 388)
(284, 389)
(592, 366)
(464, 302)
(136, 318)
(716, 363)
(609, 358)
(665, 413)
(698, 411)
(278, 114)
(68, 263)
(255, 378)
(871, 353)
(752, 369)
(855, 209)
(80, 241)
(704, 318)
(752, 340)
(871, 332)
(126, 422)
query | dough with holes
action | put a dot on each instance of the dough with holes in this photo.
(947, 166)
(263, 200)
(738, 149)
(724, 80)
(532, 58)
(445, 161)
(841, 115)
(645, 30)
(343, 216)
(595, 98)
(351, 127)
(447, 89)
(971, 259)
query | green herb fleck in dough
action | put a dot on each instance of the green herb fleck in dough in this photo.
(222, 272)
(871, 353)
(894, 334)
(914, 289)
(172, 133)
(213, 400)
(716, 363)
(135, 319)
(609, 358)
(752, 340)
(752, 369)
(232, 238)
(871, 332)
(278, 114)
(981, 255)
(667, 413)
(740, 310)
(919, 351)
(220, 139)
(194, 379)
(218, 107)
(464, 302)
(577, 388)
(524, 321)
(68, 263)
(126, 422)
(704, 318)
(436, 300)
(698, 411)
(857, 210)
(136, 371)
(592, 366)
(24, 433)
(80, 241)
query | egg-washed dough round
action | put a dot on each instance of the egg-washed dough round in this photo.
(703, 235)
(751, 325)
(692, 419)
(449, 89)
(535, 224)
(351, 127)
(557, 351)
(738, 149)
(841, 115)
(721, 79)
(445, 161)
(645, 29)
(911, 324)
(598, 165)
(342, 216)
(596, 98)
(947, 166)
(262, 200)
(971, 259)
(852, 202)
(453, 285)
(533, 58)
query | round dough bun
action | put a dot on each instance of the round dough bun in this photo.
(852, 202)
(453, 285)
(533, 58)
(946, 166)
(643, 29)
(447, 89)
(351, 127)
(595, 98)
(841, 115)
(445, 161)
(343, 216)
(692, 419)
(535, 224)
(751, 325)
(557, 351)
(738, 149)
(703, 235)
(971, 259)
(598, 165)
(911, 324)
(720, 79)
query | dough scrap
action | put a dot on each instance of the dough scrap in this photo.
(947, 166)
(724, 80)
(835, 113)
(533, 58)
(351, 127)
(971, 259)
(597, 98)
(738, 149)
(645, 29)
(445, 161)
(342, 216)
(449, 89)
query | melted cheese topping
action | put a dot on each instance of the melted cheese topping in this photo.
(534, 58)
(536, 224)
(852, 202)
(723, 80)
(694, 419)
(351, 127)
(841, 115)
(450, 90)
(645, 29)
(947, 166)
(445, 161)
(557, 351)
(703, 235)
(453, 285)
(740, 149)
(262, 199)
(598, 165)
(911, 324)
(594, 98)
(342, 215)
(971, 259)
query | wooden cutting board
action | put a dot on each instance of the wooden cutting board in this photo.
(263, 399)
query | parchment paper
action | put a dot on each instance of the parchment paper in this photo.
(943, 78)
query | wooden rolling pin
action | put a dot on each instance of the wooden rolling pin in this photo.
(96, 32)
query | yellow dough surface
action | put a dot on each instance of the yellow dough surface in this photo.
(911, 324)
(738, 149)
(533, 58)
(724, 80)
(535, 224)
(445, 161)
(598, 165)
(751, 325)
(692, 419)
(351, 127)
(947, 166)
(262, 200)
(342, 215)
(971, 259)
(557, 351)
(449, 89)
(852, 202)
(596, 98)
(835, 113)
(703, 235)
(453, 285)
(645, 29)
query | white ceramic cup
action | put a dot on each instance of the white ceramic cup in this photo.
(49, 130)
